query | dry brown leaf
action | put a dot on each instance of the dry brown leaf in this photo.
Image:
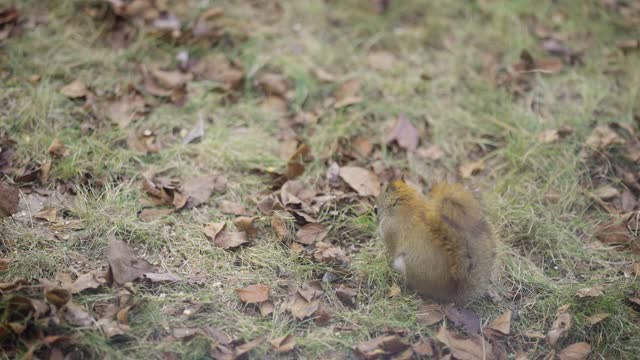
(346, 295)
(553, 135)
(472, 348)
(284, 344)
(266, 308)
(362, 145)
(77, 316)
(382, 347)
(75, 89)
(229, 207)
(196, 133)
(431, 152)
(323, 75)
(211, 230)
(124, 266)
(577, 351)
(246, 224)
(230, 239)
(363, 181)
(470, 169)
(161, 277)
(602, 137)
(279, 225)
(9, 200)
(200, 188)
(274, 104)
(149, 215)
(628, 45)
(597, 317)
(125, 109)
(429, 314)
(464, 318)
(593, 291)
(607, 193)
(143, 142)
(90, 280)
(217, 68)
(394, 291)
(302, 308)
(613, 233)
(273, 84)
(311, 233)
(528, 64)
(330, 254)
(560, 326)
(254, 294)
(381, 60)
(404, 134)
(502, 323)
(58, 149)
(58, 296)
(347, 94)
(47, 213)
(295, 192)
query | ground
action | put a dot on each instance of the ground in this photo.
(533, 105)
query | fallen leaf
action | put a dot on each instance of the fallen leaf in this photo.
(143, 142)
(394, 291)
(295, 192)
(90, 280)
(381, 347)
(613, 233)
(577, 351)
(472, 348)
(347, 93)
(273, 84)
(77, 316)
(254, 294)
(597, 317)
(245, 224)
(9, 199)
(560, 326)
(363, 181)
(431, 152)
(628, 45)
(310, 233)
(266, 308)
(464, 318)
(47, 213)
(58, 149)
(211, 230)
(230, 239)
(58, 296)
(161, 277)
(124, 266)
(346, 295)
(229, 207)
(279, 225)
(602, 137)
(284, 344)
(429, 314)
(470, 169)
(423, 348)
(75, 89)
(553, 135)
(274, 104)
(216, 67)
(362, 146)
(404, 134)
(124, 109)
(196, 133)
(502, 323)
(302, 308)
(590, 291)
(200, 188)
(149, 215)
(528, 64)
(607, 193)
(330, 254)
(381, 60)
(323, 75)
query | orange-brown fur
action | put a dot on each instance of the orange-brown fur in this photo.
(445, 243)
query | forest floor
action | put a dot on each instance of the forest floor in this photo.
(193, 179)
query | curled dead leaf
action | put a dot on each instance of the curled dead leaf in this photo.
(472, 348)
(58, 149)
(404, 134)
(560, 326)
(577, 351)
(381, 347)
(311, 233)
(429, 314)
(593, 291)
(502, 324)
(284, 344)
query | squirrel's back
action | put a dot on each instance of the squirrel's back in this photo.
(443, 242)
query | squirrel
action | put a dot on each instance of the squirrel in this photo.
(442, 244)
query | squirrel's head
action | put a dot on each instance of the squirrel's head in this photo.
(394, 194)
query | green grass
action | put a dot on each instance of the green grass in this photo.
(548, 249)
